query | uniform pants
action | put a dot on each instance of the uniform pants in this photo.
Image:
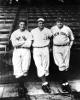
(21, 61)
(41, 59)
(61, 56)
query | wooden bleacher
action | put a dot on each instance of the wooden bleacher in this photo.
(7, 17)
(7, 20)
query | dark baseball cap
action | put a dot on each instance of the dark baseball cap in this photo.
(23, 20)
(59, 19)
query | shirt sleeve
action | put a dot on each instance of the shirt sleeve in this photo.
(13, 38)
(49, 33)
(52, 28)
(71, 35)
(32, 35)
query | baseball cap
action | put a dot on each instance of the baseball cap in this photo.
(40, 19)
(23, 20)
(59, 19)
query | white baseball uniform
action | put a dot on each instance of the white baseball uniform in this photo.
(62, 42)
(41, 50)
(21, 42)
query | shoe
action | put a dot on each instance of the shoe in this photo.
(66, 88)
(22, 92)
(46, 88)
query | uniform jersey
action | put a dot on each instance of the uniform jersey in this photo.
(21, 59)
(62, 36)
(22, 39)
(62, 42)
(41, 51)
(41, 38)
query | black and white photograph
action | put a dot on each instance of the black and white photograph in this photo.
(39, 49)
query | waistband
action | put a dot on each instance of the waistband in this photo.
(22, 47)
(67, 44)
(41, 47)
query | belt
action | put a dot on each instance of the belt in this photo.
(22, 47)
(67, 44)
(42, 46)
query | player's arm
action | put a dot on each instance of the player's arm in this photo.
(32, 36)
(15, 41)
(53, 31)
(71, 36)
(50, 36)
(28, 41)
(49, 33)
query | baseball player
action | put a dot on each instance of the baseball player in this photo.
(21, 41)
(41, 39)
(62, 43)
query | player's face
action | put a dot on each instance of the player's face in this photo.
(59, 24)
(22, 26)
(40, 24)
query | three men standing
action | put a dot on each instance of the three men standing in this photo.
(40, 40)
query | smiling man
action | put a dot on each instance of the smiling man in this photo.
(62, 42)
(41, 39)
(21, 41)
